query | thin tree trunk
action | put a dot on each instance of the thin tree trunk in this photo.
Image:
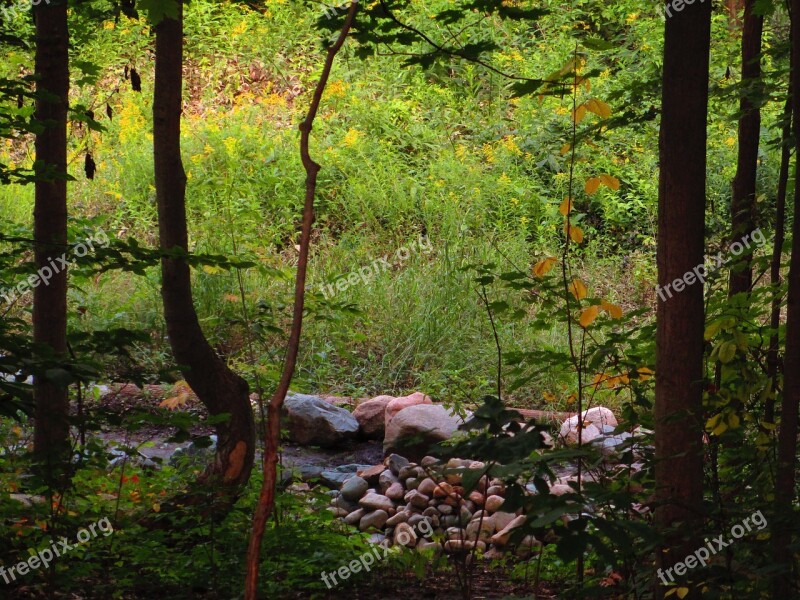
(773, 360)
(783, 522)
(51, 432)
(733, 7)
(743, 202)
(679, 336)
(266, 499)
(221, 390)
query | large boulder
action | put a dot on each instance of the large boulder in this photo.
(404, 402)
(415, 429)
(595, 422)
(312, 421)
(371, 416)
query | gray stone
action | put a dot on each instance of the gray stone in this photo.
(313, 421)
(502, 519)
(374, 520)
(341, 502)
(426, 486)
(416, 499)
(199, 453)
(405, 535)
(399, 517)
(429, 461)
(416, 428)
(335, 477)
(386, 479)
(355, 517)
(376, 502)
(396, 463)
(354, 488)
(395, 491)
(493, 503)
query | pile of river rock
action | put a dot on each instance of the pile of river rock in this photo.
(398, 499)
(400, 502)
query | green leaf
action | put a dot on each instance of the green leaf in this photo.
(727, 350)
(598, 44)
(157, 10)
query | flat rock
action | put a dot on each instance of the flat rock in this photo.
(376, 502)
(312, 421)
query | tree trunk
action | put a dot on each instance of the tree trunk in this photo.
(679, 336)
(733, 7)
(743, 202)
(51, 433)
(221, 390)
(783, 522)
(773, 359)
(266, 498)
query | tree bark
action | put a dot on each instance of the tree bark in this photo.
(783, 522)
(221, 390)
(679, 336)
(51, 432)
(773, 359)
(733, 7)
(266, 498)
(743, 202)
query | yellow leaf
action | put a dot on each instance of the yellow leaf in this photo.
(566, 206)
(733, 421)
(579, 114)
(712, 422)
(592, 185)
(614, 311)
(231, 298)
(156, 507)
(682, 592)
(571, 398)
(720, 429)
(212, 270)
(174, 402)
(578, 289)
(610, 181)
(588, 315)
(598, 379)
(549, 396)
(598, 107)
(575, 232)
(566, 148)
(727, 351)
(644, 373)
(182, 393)
(544, 266)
